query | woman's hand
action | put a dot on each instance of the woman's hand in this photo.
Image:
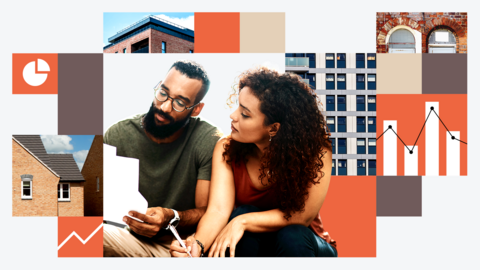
(228, 237)
(176, 250)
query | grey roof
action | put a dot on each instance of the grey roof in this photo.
(66, 167)
(35, 145)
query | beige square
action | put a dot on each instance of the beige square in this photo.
(262, 32)
(399, 73)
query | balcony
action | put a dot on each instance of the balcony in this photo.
(142, 50)
(297, 63)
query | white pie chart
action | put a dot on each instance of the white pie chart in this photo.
(31, 76)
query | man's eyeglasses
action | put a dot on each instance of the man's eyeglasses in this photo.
(177, 104)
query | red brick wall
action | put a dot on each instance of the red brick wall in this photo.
(174, 44)
(75, 206)
(425, 22)
(44, 185)
(92, 169)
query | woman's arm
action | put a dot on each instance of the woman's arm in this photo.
(273, 220)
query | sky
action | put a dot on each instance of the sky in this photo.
(116, 21)
(78, 145)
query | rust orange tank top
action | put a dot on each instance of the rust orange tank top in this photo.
(247, 194)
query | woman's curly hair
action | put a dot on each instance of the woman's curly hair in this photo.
(293, 159)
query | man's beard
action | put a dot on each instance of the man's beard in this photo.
(166, 130)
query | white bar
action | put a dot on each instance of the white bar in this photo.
(411, 161)
(453, 154)
(432, 159)
(390, 148)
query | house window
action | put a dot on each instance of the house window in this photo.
(98, 184)
(442, 41)
(311, 60)
(342, 167)
(361, 146)
(342, 103)
(332, 140)
(372, 82)
(125, 50)
(26, 188)
(333, 166)
(191, 51)
(116, 52)
(341, 60)
(360, 81)
(372, 124)
(360, 124)
(330, 60)
(330, 103)
(372, 167)
(331, 123)
(401, 41)
(372, 146)
(371, 60)
(164, 47)
(360, 60)
(360, 103)
(361, 167)
(342, 146)
(64, 192)
(330, 84)
(311, 81)
(372, 103)
(341, 82)
(342, 124)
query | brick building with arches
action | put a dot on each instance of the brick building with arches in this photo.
(421, 32)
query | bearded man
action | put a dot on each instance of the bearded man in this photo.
(174, 147)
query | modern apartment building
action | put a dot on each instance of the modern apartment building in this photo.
(346, 84)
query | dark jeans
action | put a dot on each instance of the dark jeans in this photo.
(290, 241)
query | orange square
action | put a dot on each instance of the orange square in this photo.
(80, 236)
(35, 74)
(217, 32)
(349, 215)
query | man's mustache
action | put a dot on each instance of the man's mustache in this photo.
(162, 114)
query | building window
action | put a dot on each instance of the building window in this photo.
(342, 146)
(331, 123)
(116, 52)
(64, 192)
(442, 41)
(372, 103)
(333, 166)
(372, 167)
(372, 146)
(341, 82)
(372, 82)
(330, 103)
(360, 60)
(342, 124)
(332, 140)
(361, 167)
(124, 50)
(372, 124)
(360, 123)
(330, 83)
(164, 47)
(342, 103)
(361, 146)
(311, 60)
(371, 60)
(360, 81)
(98, 184)
(26, 188)
(341, 60)
(311, 81)
(401, 41)
(330, 60)
(360, 103)
(191, 51)
(342, 167)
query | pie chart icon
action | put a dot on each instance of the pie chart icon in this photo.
(31, 73)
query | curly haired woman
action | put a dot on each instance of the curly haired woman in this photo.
(269, 177)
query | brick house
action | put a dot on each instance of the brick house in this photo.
(92, 171)
(421, 32)
(44, 184)
(152, 35)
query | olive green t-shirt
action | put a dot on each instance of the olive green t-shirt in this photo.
(169, 171)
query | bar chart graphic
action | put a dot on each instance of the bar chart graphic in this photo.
(422, 135)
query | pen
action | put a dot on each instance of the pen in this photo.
(175, 233)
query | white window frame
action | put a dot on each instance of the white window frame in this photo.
(31, 189)
(61, 199)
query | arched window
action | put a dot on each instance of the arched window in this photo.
(442, 41)
(401, 41)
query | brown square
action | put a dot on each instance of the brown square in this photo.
(399, 196)
(444, 73)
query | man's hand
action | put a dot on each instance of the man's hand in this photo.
(154, 220)
(176, 250)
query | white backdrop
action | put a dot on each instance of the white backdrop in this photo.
(447, 234)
